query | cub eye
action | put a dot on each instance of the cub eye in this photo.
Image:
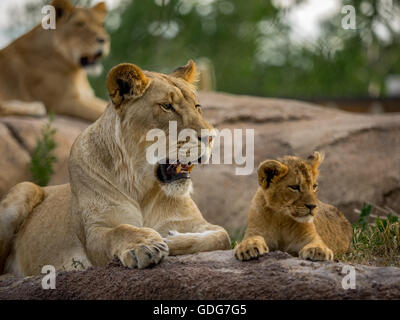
(167, 107)
(315, 186)
(80, 24)
(295, 187)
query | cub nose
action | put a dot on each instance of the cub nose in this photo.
(100, 40)
(311, 206)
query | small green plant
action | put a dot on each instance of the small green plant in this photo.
(376, 242)
(363, 219)
(236, 236)
(43, 158)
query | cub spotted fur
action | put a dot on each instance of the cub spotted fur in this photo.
(117, 203)
(286, 215)
(46, 69)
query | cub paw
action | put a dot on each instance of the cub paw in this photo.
(144, 254)
(250, 248)
(316, 253)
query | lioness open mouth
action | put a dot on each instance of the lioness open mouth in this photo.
(170, 172)
(91, 60)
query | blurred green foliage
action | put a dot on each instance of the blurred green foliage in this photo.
(251, 46)
(164, 37)
(255, 49)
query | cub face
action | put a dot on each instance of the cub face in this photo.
(148, 100)
(80, 35)
(290, 185)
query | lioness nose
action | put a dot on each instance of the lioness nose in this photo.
(311, 206)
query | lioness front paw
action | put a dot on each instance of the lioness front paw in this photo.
(144, 254)
(316, 253)
(251, 248)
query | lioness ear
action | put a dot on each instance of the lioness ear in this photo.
(315, 160)
(187, 72)
(100, 8)
(63, 7)
(126, 81)
(270, 171)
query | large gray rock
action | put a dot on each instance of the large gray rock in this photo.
(214, 275)
(362, 153)
(18, 136)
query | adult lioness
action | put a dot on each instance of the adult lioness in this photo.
(286, 215)
(47, 67)
(117, 203)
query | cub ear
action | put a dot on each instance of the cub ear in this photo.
(187, 72)
(63, 8)
(315, 160)
(270, 171)
(126, 82)
(100, 8)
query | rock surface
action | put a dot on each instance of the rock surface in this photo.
(214, 275)
(18, 136)
(362, 153)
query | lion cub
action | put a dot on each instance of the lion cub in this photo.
(285, 213)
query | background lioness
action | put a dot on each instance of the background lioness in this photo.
(45, 69)
(117, 204)
(285, 213)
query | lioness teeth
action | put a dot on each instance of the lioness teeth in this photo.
(177, 168)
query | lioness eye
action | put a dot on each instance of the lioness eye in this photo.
(295, 187)
(80, 24)
(315, 186)
(167, 107)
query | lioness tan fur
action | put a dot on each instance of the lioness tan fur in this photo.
(45, 69)
(286, 215)
(115, 204)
